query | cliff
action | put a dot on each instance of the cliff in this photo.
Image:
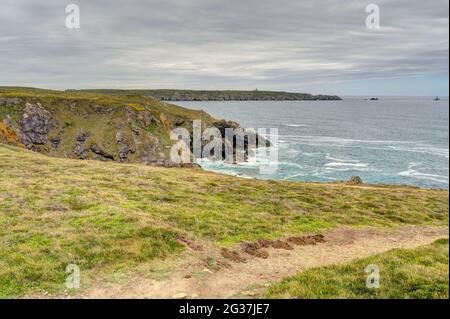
(121, 128)
(192, 95)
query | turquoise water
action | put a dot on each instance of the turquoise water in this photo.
(393, 140)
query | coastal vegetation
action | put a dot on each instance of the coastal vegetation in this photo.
(108, 200)
(110, 217)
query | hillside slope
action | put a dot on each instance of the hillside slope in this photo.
(108, 216)
(122, 128)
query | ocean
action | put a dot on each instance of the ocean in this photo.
(390, 141)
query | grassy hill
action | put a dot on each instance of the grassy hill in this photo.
(126, 127)
(202, 95)
(123, 128)
(109, 216)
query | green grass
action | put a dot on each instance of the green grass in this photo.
(103, 216)
(404, 274)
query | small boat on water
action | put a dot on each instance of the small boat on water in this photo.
(437, 98)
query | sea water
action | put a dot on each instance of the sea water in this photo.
(392, 140)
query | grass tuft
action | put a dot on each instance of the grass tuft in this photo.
(407, 274)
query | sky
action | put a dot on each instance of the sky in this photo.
(313, 46)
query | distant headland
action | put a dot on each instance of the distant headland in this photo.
(202, 95)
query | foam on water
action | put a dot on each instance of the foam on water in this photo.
(394, 141)
(340, 164)
(296, 125)
(340, 159)
(411, 172)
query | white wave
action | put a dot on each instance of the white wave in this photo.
(411, 172)
(346, 166)
(423, 149)
(295, 175)
(341, 164)
(401, 146)
(296, 125)
(310, 154)
(339, 140)
(290, 164)
(340, 159)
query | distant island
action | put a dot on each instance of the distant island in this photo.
(202, 95)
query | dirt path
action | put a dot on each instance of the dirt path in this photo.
(247, 279)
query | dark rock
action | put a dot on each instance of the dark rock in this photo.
(240, 135)
(56, 140)
(81, 150)
(82, 137)
(136, 130)
(103, 155)
(124, 148)
(123, 152)
(145, 119)
(355, 180)
(35, 124)
(179, 121)
(223, 124)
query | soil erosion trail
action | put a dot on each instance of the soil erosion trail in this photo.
(247, 270)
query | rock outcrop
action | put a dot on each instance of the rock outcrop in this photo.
(102, 155)
(35, 124)
(91, 127)
(355, 180)
(123, 146)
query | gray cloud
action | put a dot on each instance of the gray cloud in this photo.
(293, 45)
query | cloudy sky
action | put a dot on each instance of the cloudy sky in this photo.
(317, 46)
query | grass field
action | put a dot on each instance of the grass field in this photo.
(105, 216)
(404, 274)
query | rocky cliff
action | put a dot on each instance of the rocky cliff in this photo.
(122, 128)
